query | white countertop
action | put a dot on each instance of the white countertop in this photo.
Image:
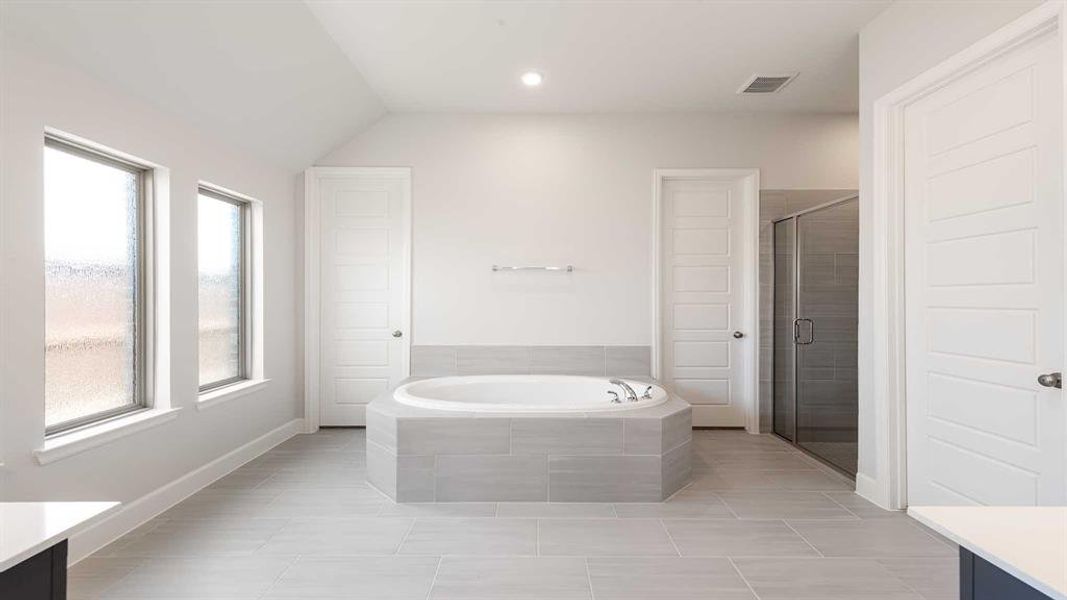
(1030, 543)
(27, 528)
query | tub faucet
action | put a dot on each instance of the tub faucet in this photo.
(631, 395)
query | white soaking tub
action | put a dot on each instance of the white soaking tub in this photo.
(527, 394)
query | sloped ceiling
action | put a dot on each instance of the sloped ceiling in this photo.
(262, 75)
(603, 56)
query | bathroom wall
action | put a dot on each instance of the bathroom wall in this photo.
(567, 189)
(905, 40)
(39, 90)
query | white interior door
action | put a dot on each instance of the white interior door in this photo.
(365, 279)
(703, 298)
(984, 284)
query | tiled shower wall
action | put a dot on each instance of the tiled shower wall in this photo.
(775, 204)
(611, 361)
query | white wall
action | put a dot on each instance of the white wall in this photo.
(574, 189)
(904, 41)
(36, 93)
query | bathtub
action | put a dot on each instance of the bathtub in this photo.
(527, 438)
(526, 394)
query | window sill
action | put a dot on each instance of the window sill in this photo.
(234, 390)
(76, 442)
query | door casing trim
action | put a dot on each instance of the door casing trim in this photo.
(750, 297)
(313, 280)
(887, 405)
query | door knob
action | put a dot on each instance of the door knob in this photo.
(1051, 380)
(738, 335)
(398, 333)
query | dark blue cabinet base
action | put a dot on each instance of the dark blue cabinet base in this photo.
(42, 576)
(981, 580)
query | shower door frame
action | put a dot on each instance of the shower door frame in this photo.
(795, 217)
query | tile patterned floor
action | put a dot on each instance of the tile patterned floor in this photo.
(760, 522)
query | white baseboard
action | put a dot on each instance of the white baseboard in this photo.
(871, 490)
(133, 514)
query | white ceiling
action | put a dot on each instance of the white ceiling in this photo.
(260, 74)
(602, 56)
(266, 75)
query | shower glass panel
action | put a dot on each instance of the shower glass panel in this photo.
(815, 331)
(784, 314)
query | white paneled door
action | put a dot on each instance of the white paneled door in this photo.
(984, 284)
(365, 249)
(705, 338)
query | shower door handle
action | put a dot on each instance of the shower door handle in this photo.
(796, 332)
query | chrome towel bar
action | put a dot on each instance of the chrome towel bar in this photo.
(567, 268)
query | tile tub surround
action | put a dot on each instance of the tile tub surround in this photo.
(423, 455)
(596, 361)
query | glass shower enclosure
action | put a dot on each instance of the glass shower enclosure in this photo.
(815, 331)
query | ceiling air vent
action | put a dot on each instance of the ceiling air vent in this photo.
(766, 84)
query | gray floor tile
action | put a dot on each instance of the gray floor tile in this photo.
(604, 537)
(345, 533)
(780, 461)
(722, 537)
(438, 509)
(822, 579)
(377, 577)
(340, 477)
(814, 480)
(683, 505)
(200, 578)
(327, 503)
(862, 508)
(472, 537)
(512, 578)
(90, 578)
(337, 537)
(555, 510)
(783, 505)
(223, 503)
(933, 578)
(242, 479)
(666, 578)
(193, 538)
(881, 538)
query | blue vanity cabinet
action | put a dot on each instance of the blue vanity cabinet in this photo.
(982, 580)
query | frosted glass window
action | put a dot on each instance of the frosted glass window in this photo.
(94, 334)
(221, 244)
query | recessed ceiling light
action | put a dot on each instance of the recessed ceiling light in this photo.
(532, 78)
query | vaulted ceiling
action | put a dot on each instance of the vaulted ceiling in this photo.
(260, 74)
(288, 80)
(603, 56)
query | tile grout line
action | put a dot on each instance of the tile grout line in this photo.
(589, 579)
(742, 576)
(278, 578)
(847, 509)
(727, 505)
(801, 536)
(433, 582)
(406, 534)
(670, 537)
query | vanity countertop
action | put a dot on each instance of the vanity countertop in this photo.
(27, 528)
(1029, 543)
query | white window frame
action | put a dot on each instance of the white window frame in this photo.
(253, 376)
(144, 355)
